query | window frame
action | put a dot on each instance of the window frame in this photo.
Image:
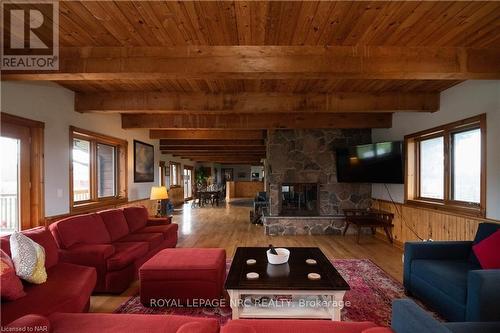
(412, 168)
(178, 174)
(121, 160)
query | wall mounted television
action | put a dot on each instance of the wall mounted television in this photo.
(372, 163)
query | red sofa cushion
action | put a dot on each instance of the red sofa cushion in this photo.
(125, 323)
(137, 217)
(153, 239)
(235, 327)
(85, 229)
(125, 254)
(42, 236)
(378, 330)
(488, 251)
(68, 289)
(11, 287)
(30, 323)
(296, 326)
(185, 264)
(193, 327)
(165, 229)
(115, 223)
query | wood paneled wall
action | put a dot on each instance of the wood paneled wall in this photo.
(428, 223)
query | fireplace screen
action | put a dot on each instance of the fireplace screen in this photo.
(299, 199)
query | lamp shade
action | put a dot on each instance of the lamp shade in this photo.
(158, 193)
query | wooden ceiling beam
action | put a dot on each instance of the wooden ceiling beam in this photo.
(201, 103)
(214, 149)
(227, 159)
(207, 134)
(210, 143)
(270, 62)
(255, 121)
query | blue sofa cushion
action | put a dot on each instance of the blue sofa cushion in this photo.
(484, 230)
(468, 327)
(450, 276)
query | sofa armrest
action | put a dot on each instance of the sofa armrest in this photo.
(456, 250)
(159, 221)
(483, 295)
(28, 323)
(408, 317)
(87, 254)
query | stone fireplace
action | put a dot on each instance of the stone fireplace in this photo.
(305, 159)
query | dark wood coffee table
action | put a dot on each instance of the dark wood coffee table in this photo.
(285, 291)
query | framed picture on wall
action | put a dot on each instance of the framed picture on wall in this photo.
(144, 162)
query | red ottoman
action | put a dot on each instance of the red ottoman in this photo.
(183, 276)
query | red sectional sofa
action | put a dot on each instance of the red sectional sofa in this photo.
(110, 323)
(68, 287)
(289, 326)
(115, 242)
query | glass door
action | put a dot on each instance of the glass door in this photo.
(15, 178)
(188, 183)
(10, 184)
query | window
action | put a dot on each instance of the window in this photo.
(175, 174)
(432, 168)
(98, 170)
(446, 167)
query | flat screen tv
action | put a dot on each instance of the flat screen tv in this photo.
(372, 163)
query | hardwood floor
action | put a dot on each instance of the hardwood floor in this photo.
(228, 227)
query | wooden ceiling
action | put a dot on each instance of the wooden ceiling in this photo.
(247, 65)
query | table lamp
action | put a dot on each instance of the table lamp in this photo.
(160, 194)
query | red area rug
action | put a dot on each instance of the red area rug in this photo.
(370, 297)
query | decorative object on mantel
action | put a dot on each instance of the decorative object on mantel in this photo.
(144, 161)
(160, 194)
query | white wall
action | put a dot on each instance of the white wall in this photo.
(465, 100)
(54, 106)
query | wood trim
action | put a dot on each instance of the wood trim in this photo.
(34, 171)
(432, 209)
(54, 218)
(412, 167)
(20, 121)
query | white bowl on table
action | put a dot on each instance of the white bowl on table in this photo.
(280, 258)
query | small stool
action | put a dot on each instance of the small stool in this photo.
(183, 276)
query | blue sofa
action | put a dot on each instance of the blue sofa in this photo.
(408, 317)
(447, 277)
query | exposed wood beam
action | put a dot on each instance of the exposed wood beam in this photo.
(209, 143)
(227, 159)
(214, 153)
(252, 121)
(202, 134)
(257, 149)
(201, 103)
(270, 62)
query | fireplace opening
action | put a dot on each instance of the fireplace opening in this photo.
(299, 199)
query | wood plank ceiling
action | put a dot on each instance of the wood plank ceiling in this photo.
(244, 66)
